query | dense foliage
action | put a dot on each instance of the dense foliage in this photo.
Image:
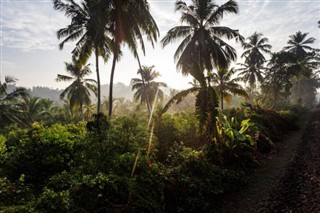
(105, 165)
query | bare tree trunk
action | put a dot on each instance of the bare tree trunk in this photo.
(115, 55)
(221, 99)
(98, 81)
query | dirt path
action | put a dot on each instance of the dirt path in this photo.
(268, 176)
(299, 189)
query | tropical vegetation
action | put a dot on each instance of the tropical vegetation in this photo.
(165, 150)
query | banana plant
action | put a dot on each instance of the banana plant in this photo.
(230, 135)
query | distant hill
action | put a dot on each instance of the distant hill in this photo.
(119, 90)
(46, 92)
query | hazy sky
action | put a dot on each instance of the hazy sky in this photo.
(29, 47)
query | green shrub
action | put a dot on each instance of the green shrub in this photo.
(180, 127)
(98, 151)
(14, 193)
(97, 192)
(40, 152)
(51, 201)
(3, 147)
(17, 208)
(192, 182)
(166, 133)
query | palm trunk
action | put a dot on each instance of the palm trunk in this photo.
(221, 98)
(299, 92)
(98, 81)
(115, 56)
(143, 83)
(221, 92)
(81, 110)
(252, 94)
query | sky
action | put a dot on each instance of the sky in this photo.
(29, 46)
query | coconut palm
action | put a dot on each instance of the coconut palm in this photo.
(201, 49)
(299, 44)
(147, 91)
(225, 85)
(34, 109)
(8, 102)
(252, 74)
(78, 92)
(128, 21)
(88, 28)
(202, 35)
(256, 45)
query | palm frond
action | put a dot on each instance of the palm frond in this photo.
(63, 78)
(175, 34)
(229, 7)
(177, 98)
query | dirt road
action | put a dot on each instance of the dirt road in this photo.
(299, 189)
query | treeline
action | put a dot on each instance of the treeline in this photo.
(120, 90)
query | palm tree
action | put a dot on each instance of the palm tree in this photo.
(202, 35)
(254, 47)
(225, 85)
(299, 44)
(6, 96)
(88, 28)
(34, 109)
(147, 91)
(251, 73)
(128, 21)
(8, 102)
(306, 60)
(78, 91)
(276, 86)
(304, 70)
(201, 49)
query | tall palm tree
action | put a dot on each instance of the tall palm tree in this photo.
(202, 35)
(252, 74)
(88, 28)
(299, 44)
(201, 49)
(146, 92)
(305, 62)
(225, 85)
(128, 21)
(78, 91)
(254, 47)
